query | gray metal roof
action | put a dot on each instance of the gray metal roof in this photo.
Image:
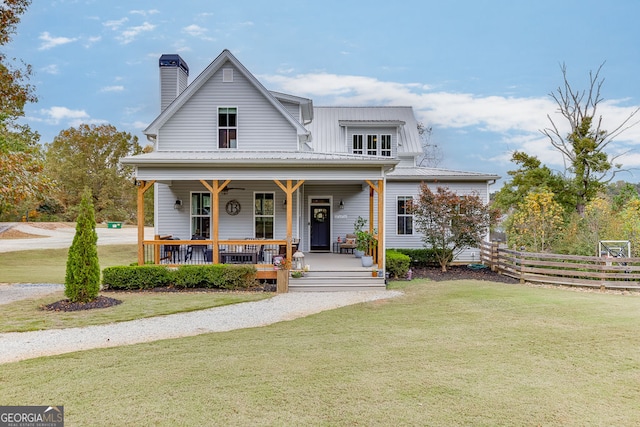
(418, 173)
(327, 133)
(248, 158)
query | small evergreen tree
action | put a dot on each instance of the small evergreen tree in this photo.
(82, 281)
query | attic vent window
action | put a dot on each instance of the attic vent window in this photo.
(227, 75)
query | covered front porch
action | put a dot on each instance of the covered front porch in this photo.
(230, 210)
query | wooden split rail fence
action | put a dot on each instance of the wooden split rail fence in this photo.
(571, 270)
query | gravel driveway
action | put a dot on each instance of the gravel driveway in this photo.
(61, 236)
(26, 345)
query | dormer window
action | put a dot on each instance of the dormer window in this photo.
(227, 127)
(372, 145)
(357, 148)
(376, 145)
(385, 145)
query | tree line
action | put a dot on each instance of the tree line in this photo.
(46, 182)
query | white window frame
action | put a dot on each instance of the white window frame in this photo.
(233, 143)
(372, 144)
(385, 145)
(357, 143)
(272, 215)
(404, 215)
(204, 214)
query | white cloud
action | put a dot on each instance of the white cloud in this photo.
(139, 125)
(55, 115)
(112, 89)
(51, 69)
(144, 12)
(197, 31)
(115, 25)
(90, 41)
(128, 35)
(51, 42)
(512, 123)
(194, 30)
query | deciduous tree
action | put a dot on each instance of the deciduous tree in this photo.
(536, 220)
(449, 222)
(584, 146)
(21, 160)
(89, 156)
(531, 176)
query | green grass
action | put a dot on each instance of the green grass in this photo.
(25, 315)
(446, 353)
(49, 265)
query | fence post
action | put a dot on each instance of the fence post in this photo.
(495, 256)
(521, 261)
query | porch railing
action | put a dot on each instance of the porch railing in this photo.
(164, 250)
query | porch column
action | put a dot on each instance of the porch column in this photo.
(143, 186)
(215, 190)
(289, 189)
(379, 188)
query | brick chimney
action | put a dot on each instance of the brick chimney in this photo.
(174, 78)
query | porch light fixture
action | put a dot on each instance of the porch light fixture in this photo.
(284, 204)
(298, 261)
(178, 204)
(341, 204)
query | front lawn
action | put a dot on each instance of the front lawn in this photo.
(446, 353)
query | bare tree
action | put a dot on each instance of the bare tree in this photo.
(583, 148)
(432, 153)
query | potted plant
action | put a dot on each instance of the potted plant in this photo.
(365, 241)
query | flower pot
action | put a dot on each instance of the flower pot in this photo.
(374, 273)
(357, 253)
(367, 260)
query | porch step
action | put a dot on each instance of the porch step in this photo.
(336, 281)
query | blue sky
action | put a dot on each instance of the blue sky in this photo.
(479, 73)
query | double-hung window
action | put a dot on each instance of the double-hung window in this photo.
(403, 213)
(201, 214)
(372, 145)
(357, 145)
(385, 145)
(227, 127)
(264, 214)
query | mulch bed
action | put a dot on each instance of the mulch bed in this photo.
(66, 305)
(460, 272)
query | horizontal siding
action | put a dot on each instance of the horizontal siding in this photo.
(355, 197)
(395, 189)
(292, 108)
(178, 222)
(260, 125)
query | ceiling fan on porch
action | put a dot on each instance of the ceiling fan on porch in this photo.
(227, 189)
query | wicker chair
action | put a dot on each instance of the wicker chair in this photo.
(349, 244)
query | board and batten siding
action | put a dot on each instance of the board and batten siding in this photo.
(395, 189)
(260, 125)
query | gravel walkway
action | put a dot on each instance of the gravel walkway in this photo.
(17, 346)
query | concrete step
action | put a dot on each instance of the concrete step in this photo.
(325, 283)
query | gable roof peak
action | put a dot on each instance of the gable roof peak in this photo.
(225, 56)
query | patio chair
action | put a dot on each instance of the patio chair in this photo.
(189, 254)
(349, 244)
(170, 252)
